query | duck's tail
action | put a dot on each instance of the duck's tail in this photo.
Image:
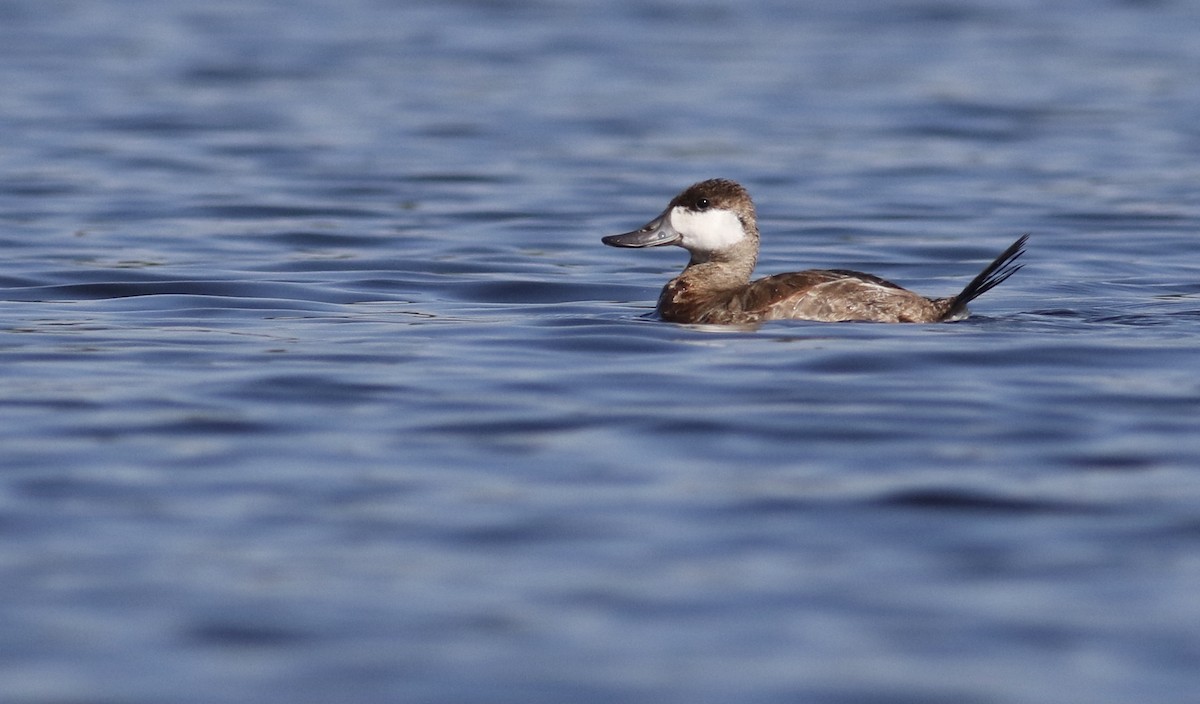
(995, 274)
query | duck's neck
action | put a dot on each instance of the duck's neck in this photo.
(723, 270)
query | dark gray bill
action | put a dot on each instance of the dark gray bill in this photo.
(655, 233)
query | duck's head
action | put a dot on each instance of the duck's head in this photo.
(707, 219)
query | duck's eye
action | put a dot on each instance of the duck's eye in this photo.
(702, 204)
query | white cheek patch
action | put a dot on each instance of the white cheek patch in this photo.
(707, 231)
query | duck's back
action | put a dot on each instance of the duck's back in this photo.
(840, 295)
(817, 294)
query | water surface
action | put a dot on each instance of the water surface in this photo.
(316, 384)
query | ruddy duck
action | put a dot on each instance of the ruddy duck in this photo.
(715, 222)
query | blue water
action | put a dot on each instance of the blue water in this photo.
(317, 385)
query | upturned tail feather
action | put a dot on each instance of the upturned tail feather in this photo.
(995, 274)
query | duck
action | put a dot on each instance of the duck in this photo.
(715, 221)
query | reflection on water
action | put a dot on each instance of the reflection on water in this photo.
(318, 385)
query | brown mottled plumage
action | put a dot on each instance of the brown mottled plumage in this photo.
(715, 221)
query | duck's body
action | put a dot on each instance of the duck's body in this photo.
(716, 222)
